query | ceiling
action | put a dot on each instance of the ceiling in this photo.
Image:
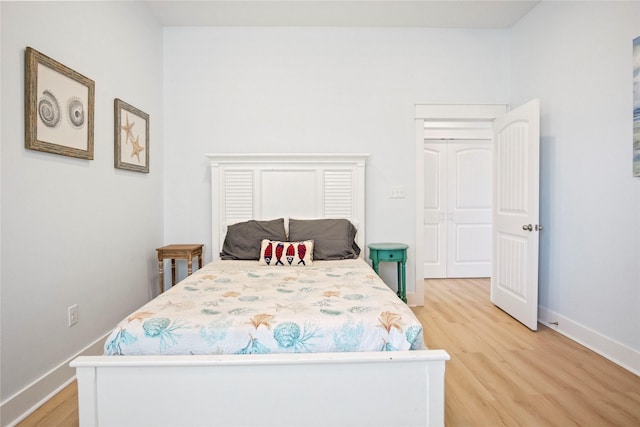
(343, 13)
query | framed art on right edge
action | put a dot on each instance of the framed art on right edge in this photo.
(636, 106)
(131, 138)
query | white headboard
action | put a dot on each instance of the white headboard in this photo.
(301, 186)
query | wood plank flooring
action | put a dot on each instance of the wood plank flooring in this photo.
(500, 373)
(503, 374)
(59, 411)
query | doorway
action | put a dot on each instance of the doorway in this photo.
(515, 207)
(435, 114)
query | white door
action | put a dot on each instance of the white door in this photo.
(469, 209)
(457, 208)
(516, 161)
(435, 209)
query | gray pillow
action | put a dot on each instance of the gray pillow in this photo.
(332, 238)
(244, 238)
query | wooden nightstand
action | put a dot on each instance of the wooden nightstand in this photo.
(394, 252)
(174, 252)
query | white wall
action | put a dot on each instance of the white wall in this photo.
(315, 90)
(577, 58)
(75, 231)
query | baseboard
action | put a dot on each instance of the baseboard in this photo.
(23, 403)
(618, 353)
(414, 301)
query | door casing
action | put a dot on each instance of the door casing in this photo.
(438, 112)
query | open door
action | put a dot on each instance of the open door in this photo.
(516, 162)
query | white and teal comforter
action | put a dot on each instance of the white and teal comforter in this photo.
(241, 307)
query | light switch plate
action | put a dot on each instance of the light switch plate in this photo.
(397, 192)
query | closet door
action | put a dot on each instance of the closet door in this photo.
(435, 209)
(457, 209)
(469, 214)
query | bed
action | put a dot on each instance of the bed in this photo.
(287, 340)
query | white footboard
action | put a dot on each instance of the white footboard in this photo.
(403, 388)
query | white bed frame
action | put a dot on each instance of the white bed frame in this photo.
(404, 388)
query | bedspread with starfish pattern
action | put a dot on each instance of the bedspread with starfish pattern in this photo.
(241, 307)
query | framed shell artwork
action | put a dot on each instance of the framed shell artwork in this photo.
(59, 107)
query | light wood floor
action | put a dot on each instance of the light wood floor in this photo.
(500, 373)
(60, 411)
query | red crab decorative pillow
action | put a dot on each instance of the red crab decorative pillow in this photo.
(273, 252)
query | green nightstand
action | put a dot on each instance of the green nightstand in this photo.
(394, 252)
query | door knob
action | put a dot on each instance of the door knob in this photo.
(527, 227)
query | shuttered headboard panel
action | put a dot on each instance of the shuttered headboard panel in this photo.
(302, 186)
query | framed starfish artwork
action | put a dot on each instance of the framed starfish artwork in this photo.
(131, 137)
(59, 104)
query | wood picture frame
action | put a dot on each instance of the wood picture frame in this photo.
(59, 107)
(636, 107)
(131, 130)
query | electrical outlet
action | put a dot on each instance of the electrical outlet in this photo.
(397, 192)
(73, 314)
